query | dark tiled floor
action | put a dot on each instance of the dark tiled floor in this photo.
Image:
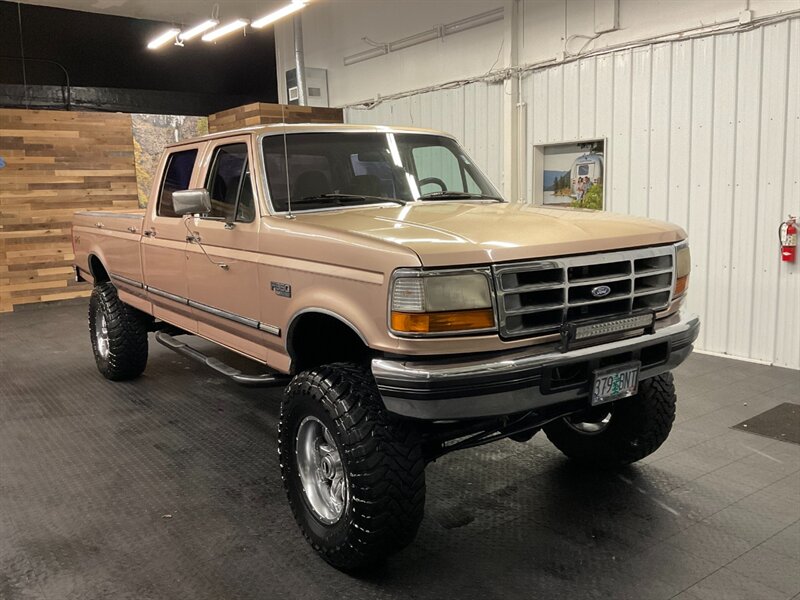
(90, 471)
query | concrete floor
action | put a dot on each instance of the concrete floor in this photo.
(168, 487)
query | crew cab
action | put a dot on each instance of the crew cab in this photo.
(408, 309)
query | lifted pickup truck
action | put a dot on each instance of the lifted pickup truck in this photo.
(409, 310)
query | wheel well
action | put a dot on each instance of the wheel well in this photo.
(97, 270)
(317, 339)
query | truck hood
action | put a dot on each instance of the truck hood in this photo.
(458, 233)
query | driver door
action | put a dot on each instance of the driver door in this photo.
(223, 251)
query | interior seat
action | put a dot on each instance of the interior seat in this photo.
(365, 185)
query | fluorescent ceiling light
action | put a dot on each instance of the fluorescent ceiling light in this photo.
(198, 29)
(220, 31)
(163, 38)
(279, 14)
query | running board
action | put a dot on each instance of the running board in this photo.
(266, 380)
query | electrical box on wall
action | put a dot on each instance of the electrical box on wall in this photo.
(606, 15)
(316, 86)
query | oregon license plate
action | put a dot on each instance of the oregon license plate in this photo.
(616, 382)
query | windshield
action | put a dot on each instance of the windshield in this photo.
(328, 170)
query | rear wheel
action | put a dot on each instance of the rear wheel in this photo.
(118, 334)
(354, 476)
(621, 432)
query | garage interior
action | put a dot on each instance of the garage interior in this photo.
(169, 486)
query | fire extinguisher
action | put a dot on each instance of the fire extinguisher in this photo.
(787, 233)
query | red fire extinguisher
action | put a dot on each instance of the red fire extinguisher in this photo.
(787, 233)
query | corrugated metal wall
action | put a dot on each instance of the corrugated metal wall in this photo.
(473, 113)
(704, 133)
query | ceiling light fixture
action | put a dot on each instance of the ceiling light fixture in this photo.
(198, 29)
(225, 29)
(279, 14)
(163, 38)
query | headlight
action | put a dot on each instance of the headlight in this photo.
(441, 302)
(683, 266)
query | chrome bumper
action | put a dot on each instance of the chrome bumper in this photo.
(511, 382)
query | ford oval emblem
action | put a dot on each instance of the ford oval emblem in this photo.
(601, 291)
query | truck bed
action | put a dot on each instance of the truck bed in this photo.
(120, 234)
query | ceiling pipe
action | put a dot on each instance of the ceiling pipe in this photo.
(299, 60)
(437, 32)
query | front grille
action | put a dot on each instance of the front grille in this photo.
(536, 298)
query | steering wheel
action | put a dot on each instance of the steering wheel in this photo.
(433, 180)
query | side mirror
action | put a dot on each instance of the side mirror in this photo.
(191, 202)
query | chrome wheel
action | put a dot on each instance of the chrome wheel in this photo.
(101, 332)
(594, 424)
(320, 468)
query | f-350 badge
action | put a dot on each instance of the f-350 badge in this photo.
(282, 289)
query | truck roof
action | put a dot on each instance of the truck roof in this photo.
(280, 128)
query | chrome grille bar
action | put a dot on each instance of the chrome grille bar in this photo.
(537, 297)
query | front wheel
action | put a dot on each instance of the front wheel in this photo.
(622, 432)
(354, 476)
(118, 334)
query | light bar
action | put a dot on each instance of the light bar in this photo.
(225, 29)
(163, 38)
(278, 14)
(198, 29)
(583, 332)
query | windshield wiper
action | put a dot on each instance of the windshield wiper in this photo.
(453, 195)
(356, 197)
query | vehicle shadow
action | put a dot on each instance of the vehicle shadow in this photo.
(556, 531)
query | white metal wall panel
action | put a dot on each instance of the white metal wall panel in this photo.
(679, 122)
(473, 113)
(710, 141)
(619, 159)
(658, 170)
(787, 344)
(772, 136)
(704, 133)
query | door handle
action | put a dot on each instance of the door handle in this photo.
(192, 239)
(99, 225)
(132, 229)
(149, 233)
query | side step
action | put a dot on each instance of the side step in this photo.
(266, 380)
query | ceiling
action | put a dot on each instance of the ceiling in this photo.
(183, 12)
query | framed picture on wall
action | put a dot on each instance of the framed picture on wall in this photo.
(570, 174)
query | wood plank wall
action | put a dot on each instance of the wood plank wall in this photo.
(260, 113)
(57, 162)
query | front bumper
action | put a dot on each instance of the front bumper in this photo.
(512, 382)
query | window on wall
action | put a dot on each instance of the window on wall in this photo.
(229, 185)
(177, 177)
(570, 174)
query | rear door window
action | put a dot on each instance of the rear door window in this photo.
(229, 184)
(177, 176)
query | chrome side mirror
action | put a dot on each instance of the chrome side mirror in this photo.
(191, 202)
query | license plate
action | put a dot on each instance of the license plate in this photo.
(615, 383)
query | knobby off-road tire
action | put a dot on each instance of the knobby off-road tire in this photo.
(118, 334)
(382, 463)
(636, 428)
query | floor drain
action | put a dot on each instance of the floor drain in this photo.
(779, 423)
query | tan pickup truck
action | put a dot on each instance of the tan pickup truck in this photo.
(409, 310)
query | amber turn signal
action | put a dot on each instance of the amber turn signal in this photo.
(441, 322)
(681, 284)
